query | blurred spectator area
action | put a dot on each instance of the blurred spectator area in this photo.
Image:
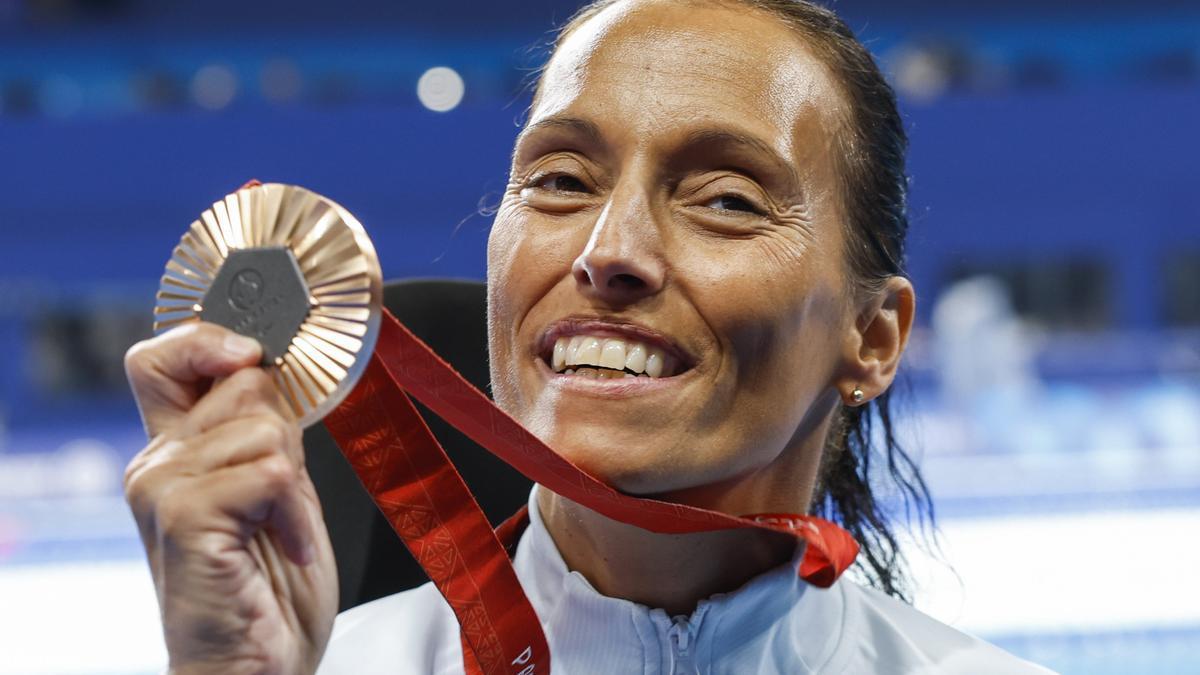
(1053, 148)
(1053, 152)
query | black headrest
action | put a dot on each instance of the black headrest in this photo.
(449, 315)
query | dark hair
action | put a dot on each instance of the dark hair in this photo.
(871, 146)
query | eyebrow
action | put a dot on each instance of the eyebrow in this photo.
(587, 129)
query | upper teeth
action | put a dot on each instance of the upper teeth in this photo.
(608, 352)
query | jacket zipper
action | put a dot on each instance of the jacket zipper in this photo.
(683, 661)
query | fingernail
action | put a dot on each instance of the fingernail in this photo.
(308, 555)
(240, 346)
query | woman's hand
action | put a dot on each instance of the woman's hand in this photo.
(227, 513)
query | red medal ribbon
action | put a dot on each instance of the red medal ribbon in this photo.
(417, 488)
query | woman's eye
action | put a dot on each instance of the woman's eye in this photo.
(561, 182)
(732, 203)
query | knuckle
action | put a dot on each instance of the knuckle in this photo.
(143, 491)
(137, 359)
(277, 471)
(251, 387)
(272, 431)
(188, 336)
(172, 511)
(189, 332)
(147, 475)
(129, 480)
(294, 437)
(137, 479)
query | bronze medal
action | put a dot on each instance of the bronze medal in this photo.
(295, 271)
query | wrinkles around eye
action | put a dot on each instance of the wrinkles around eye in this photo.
(727, 195)
(554, 165)
(557, 181)
(556, 190)
(733, 203)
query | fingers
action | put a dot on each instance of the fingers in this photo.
(239, 440)
(170, 372)
(240, 500)
(249, 392)
(279, 504)
(167, 461)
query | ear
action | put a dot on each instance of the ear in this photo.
(876, 340)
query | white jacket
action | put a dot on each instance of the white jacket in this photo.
(775, 624)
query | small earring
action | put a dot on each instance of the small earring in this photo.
(857, 395)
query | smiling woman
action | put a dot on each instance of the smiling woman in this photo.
(696, 293)
(751, 221)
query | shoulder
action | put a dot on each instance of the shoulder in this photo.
(410, 632)
(880, 629)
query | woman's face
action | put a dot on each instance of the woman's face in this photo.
(671, 237)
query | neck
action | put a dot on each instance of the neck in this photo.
(672, 572)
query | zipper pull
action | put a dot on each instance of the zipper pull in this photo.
(683, 660)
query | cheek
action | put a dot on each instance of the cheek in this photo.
(511, 249)
(778, 321)
(777, 343)
(506, 231)
(503, 304)
(526, 259)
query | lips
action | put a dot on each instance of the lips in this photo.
(608, 350)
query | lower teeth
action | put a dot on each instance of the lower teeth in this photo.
(602, 373)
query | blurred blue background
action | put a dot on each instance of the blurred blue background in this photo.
(1055, 246)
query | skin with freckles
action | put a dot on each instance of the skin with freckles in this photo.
(676, 174)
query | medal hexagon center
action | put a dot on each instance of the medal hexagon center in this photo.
(259, 293)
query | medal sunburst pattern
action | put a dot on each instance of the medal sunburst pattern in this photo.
(338, 264)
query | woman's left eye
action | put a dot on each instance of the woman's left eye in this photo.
(732, 203)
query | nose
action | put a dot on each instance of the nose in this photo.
(622, 262)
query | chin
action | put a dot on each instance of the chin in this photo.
(632, 466)
(637, 456)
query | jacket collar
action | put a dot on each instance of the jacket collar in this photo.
(775, 613)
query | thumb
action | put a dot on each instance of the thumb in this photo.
(170, 372)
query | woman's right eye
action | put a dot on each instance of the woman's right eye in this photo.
(559, 182)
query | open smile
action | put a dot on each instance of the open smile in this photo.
(603, 350)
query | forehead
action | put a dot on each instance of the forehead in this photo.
(655, 66)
